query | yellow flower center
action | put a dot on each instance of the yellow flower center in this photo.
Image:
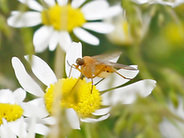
(76, 94)
(10, 112)
(63, 17)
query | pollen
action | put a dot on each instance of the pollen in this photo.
(10, 112)
(78, 94)
(63, 18)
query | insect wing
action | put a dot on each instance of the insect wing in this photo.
(120, 66)
(110, 57)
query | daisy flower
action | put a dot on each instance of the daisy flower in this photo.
(121, 33)
(12, 119)
(173, 129)
(60, 19)
(15, 120)
(81, 101)
(172, 3)
(12, 122)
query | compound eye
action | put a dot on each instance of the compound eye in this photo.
(80, 61)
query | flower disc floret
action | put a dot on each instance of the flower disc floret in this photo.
(10, 112)
(77, 94)
(63, 17)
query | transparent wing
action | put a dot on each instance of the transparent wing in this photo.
(119, 66)
(108, 57)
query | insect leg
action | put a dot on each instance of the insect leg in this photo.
(99, 81)
(122, 76)
(92, 85)
(73, 88)
(81, 76)
(73, 66)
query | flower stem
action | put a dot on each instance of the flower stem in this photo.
(59, 62)
(61, 128)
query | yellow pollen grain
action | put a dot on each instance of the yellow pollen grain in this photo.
(75, 94)
(10, 112)
(63, 17)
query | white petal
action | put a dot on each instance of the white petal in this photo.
(77, 3)
(92, 120)
(35, 108)
(27, 19)
(18, 127)
(113, 11)
(19, 95)
(141, 1)
(62, 2)
(33, 4)
(50, 2)
(102, 111)
(127, 94)
(95, 10)
(49, 120)
(73, 118)
(99, 27)
(5, 131)
(85, 36)
(42, 70)
(41, 38)
(41, 129)
(64, 40)
(31, 126)
(71, 56)
(6, 96)
(114, 80)
(54, 40)
(24, 79)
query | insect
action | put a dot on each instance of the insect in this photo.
(100, 65)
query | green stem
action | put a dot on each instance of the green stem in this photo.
(61, 128)
(59, 62)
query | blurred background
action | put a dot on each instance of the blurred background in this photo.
(150, 36)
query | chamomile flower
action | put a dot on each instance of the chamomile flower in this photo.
(121, 33)
(60, 19)
(124, 33)
(15, 120)
(12, 122)
(172, 3)
(81, 101)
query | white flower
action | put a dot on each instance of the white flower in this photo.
(172, 3)
(121, 33)
(12, 122)
(14, 118)
(83, 112)
(61, 18)
(173, 129)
